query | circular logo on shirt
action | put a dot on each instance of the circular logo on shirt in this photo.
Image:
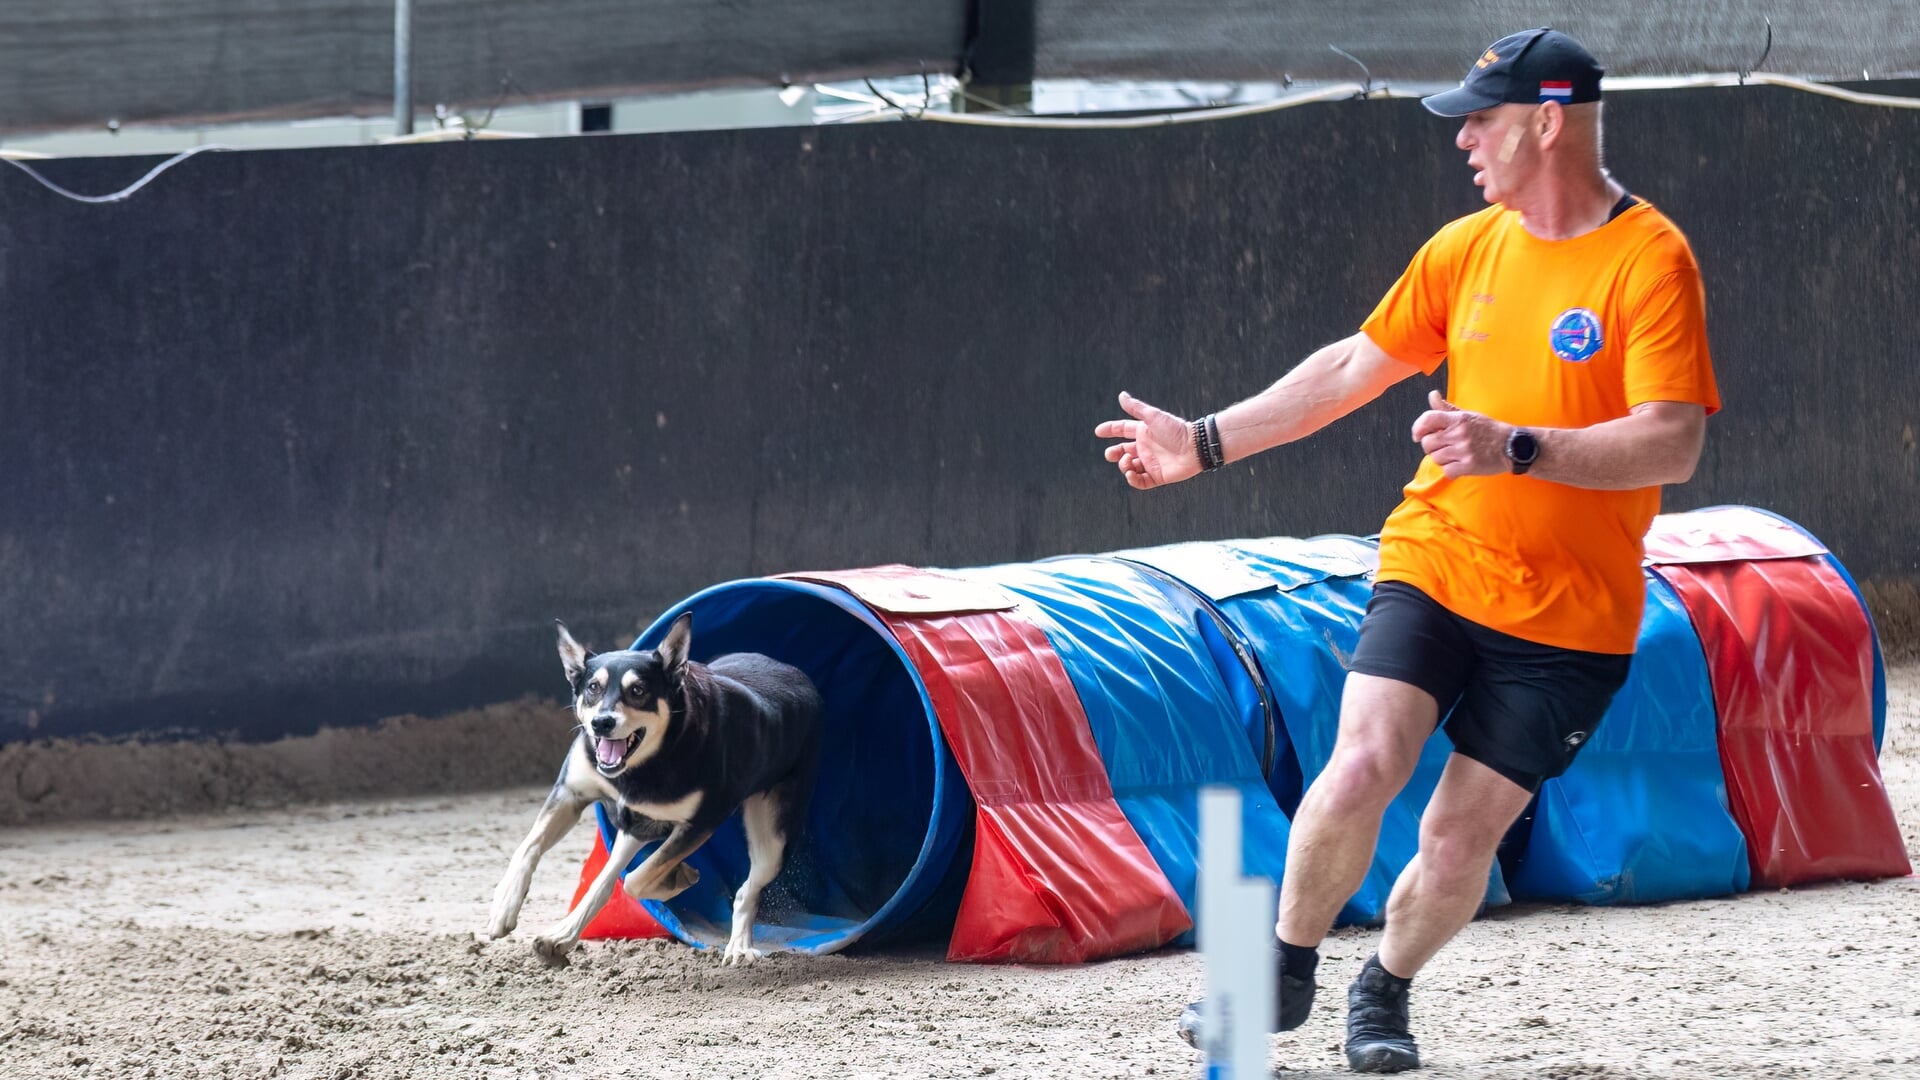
(1575, 335)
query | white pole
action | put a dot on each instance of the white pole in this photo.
(403, 67)
(1235, 932)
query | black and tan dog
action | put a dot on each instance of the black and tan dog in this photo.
(673, 748)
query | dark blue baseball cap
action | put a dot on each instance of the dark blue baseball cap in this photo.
(1531, 66)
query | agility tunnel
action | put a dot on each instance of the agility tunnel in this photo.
(1013, 754)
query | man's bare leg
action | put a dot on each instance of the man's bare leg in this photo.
(1383, 725)
(1436, 894)
(1441, 889)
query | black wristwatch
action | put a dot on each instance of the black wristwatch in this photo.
(1522, 451)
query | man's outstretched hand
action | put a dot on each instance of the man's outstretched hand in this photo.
(1157, 448)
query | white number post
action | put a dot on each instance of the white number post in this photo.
(1235, 932)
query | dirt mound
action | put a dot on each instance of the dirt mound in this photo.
(519, 742)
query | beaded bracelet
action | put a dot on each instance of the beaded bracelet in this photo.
(1206, 442)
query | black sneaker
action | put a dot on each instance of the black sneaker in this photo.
(1294, 1004)
(1377, 1036)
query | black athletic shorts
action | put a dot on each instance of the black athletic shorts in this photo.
(1520, 708)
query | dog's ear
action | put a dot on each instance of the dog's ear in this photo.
(573, 655)
(673, 651)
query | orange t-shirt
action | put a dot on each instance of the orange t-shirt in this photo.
(1542, 333)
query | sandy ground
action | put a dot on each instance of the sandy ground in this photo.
(336, 941)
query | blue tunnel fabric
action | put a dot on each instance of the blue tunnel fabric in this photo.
(1299, 604)
(1233, 658)
(1642, 815)
(1169, 712)
(884, 851)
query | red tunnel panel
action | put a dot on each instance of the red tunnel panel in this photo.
(1790, 654)
(1058, 874)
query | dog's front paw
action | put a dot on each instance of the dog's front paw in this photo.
(740, 953)
(501, 922)
(505, 914)
(552, 950)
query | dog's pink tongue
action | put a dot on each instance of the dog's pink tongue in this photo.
(611, 751)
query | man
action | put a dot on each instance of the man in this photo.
(1509, 593)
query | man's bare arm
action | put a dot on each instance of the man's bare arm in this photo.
(1158, 447)
(1324, 387)
(1658, 442)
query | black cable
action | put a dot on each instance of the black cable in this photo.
(1747, 71)
(1366, 88)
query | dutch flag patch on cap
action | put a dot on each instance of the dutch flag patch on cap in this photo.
(1556, 91)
